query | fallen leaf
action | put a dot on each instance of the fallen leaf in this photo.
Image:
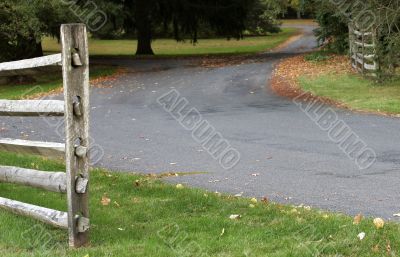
(265, 200)
(375, 249)
(179, 186)
(117, 204)
(254, 200)
(379, 223)
(121, 229)
(105, 201)
(235, 216)
(137, 183)
(396, 215)
(135, 200)
(388, 248)
(357, 219)
(361, 236)
(252, 206)
(223, 232)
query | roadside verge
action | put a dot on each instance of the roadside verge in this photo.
(331, 80)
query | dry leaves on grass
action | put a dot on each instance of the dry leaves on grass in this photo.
(357, 219)
(286, 75)
(105, 201)
(265, 200)
(379, 223)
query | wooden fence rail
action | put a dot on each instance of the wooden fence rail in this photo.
(31, 108)
(51, 181)
(23, 66)
(48, 149)
(75, 110)
(52, 217)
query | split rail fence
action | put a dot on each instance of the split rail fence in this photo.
(75, 111)
(363, 51)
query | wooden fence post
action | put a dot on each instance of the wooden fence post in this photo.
(75, 60)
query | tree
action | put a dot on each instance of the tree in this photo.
(333, 29)
(262, 17)
(183, 18)
(23, 25)
(296, 5)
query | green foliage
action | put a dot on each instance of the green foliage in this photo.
(23, 23)
(388, 34)
(384, 20)
(20, 31)
(333, 30)
(188, 19)
(262, 17)
(301, 7)
(115, 27)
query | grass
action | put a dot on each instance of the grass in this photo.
(169, 47)
(147, 217)
(46, 83)
(356, 92)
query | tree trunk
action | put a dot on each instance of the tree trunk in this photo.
(299, 14)
(143, 26)
(38, 50)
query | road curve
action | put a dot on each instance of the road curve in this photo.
(284, 155)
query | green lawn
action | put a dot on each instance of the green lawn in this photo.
(169, 47)
(147, 217)
(46, 83)
(356, 92)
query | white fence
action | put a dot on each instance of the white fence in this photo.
(75, 110)
(363, 51)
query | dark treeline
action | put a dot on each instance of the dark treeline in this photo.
(24, 23)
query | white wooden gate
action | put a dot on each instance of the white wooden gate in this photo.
(363, 51)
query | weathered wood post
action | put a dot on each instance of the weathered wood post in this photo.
(75, 62)
(75, 109)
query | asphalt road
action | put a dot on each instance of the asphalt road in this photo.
(284, 155)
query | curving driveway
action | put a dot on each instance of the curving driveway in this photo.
(284, 155)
